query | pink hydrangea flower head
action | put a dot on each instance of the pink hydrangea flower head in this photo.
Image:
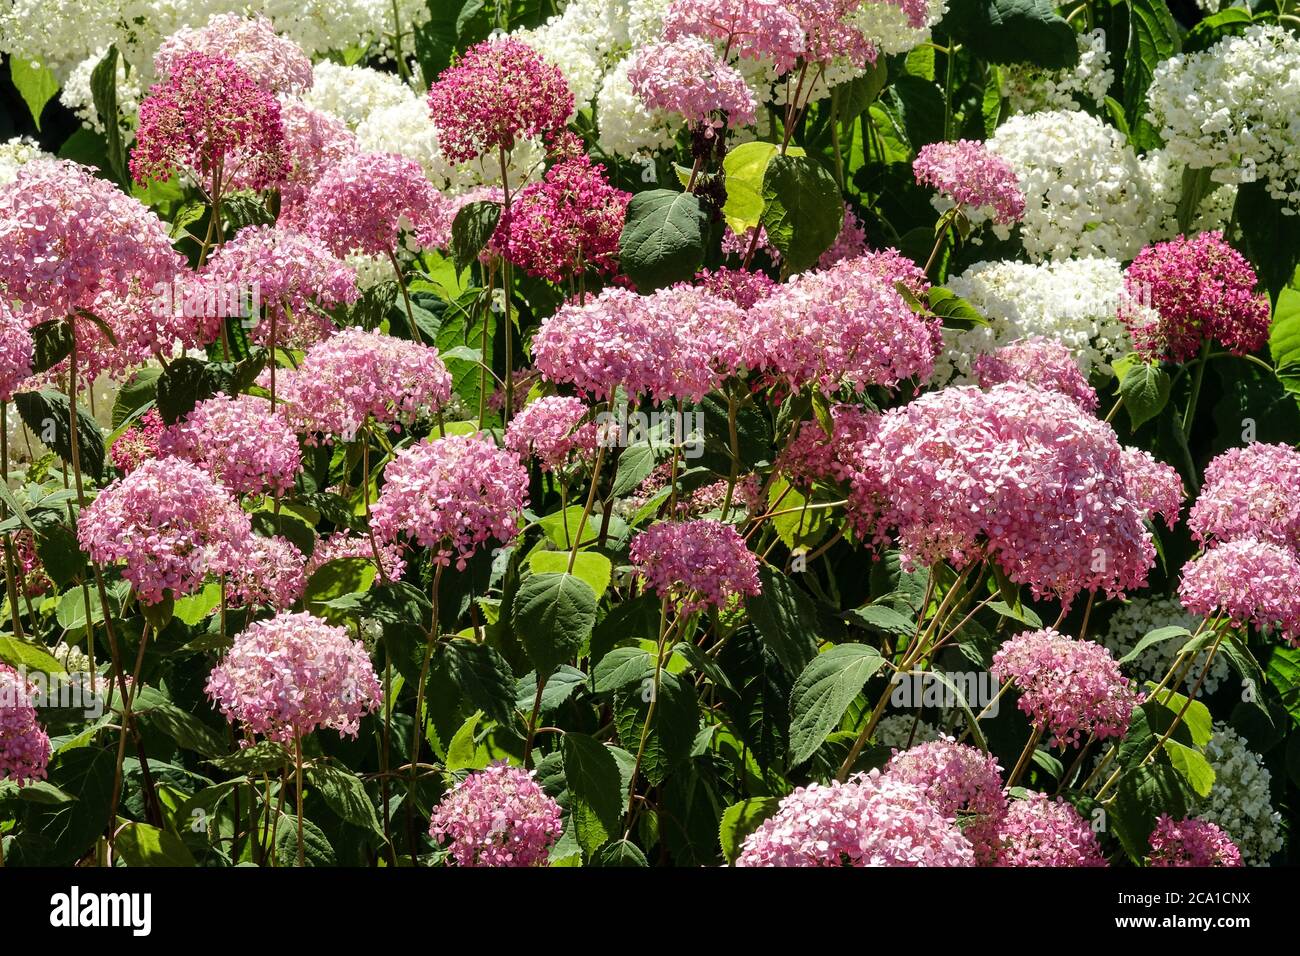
(497, 816)
(33, 579)
(24, 744)
(314, 142)
(240, 442)
(698, 564)
(973, 176)
(452, 495)
(1039, 831)
(343, 544)
(755, 29)
(1200, 289)
(1068, 688)
(738, 245)
(813, 456)
(355, 376)
(369, 201)
(566, 224)
(295, 276)
(740, 286)
(1250, 492)
(17, 350)
(962, 782)
(686, 76)
(829, 32)
(498, 92)
(273, 62)
(850, 243)
(138, 443)
(1250, 582)
(170, 521)
(894, 269)
(1154, 487)
(1040, 362)
(209, 119)
(842, 326)
(269, 571)
(292, 674)
(552, 430)
(1191, 842)
(871, 819)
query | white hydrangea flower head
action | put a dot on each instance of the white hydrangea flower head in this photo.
(1084, 192)
(887, 26)
(371, 270)
(57, 34)
(353, 93)
(1140, 616)
(1165, 181)
(582, 43)
(1074, 302)
(626, 127)
(76, 94)
(1234, 108)
(14, 153)
(1241, 801)
(1029, 89)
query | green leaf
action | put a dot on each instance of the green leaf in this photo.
(139, 844)
(1284, 337)
(1154, 637)
(663, 238)
(60, 553)
(1270, 236)
(464, 753)
(622, 666)
(745, 166)
(1013, 31)
(103, 89)
(471, 231)
(338, 577)
(740, 820)
(553, 614)
(1215, 27)
(1144, 390)
(785, 617)
(1143, 794)
(823, 692)
(265, 756)
(138, 391)
(1196, 718)
(802, 210)
(1153, 38)
(186, 729)
(345, 793)
(622, 853)
(35, 83)
(48, 413)
(28, 656)
(52, 343)
(595, 788)
(559, 687)
(590, 566)
(1196, 770)
(672, 730)
(187, 381)
(481, 674)
(880, 617)
(317, 850)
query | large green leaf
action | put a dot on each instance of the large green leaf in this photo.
(786, 618)
(103, 90)
(1153, 38)
(35, 83)
(471, 231)
(663, 238)
(553, 614)
(823, 693)
(740, 820)
(346, 795)
(1145, 391)
(802, 210)
(139, 844)
(48, 413)
(595, 790)
(1013, 31)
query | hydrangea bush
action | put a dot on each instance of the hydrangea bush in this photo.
(764, 433)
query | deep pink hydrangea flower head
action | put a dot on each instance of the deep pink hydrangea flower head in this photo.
(314, 142)
(369, 202)
(552, 430)
(973, 176)
(1250, 582)
(24, 744)
(273, 62)
(285, 677)
(686, 76)
(240, 442)
(498, 92)
(172, 524)
(756, 29)
(1039, 831)
(1040, 362)
(962, 782)
(1191, 842)
(1250, 492)
(566, 224)
(356, 376)
(1068, 688)
(497, 816)
(210, 120)
(871, 819)
(452, 495)
(17, 350)
(138, 443)
(295, 276)
(741, 286)
(1200, 289)
(697, 564)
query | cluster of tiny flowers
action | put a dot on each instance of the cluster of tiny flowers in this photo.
(1029, 89)
(1068, 688)
(356, 376)
(1240, 802)
(24, 744)
(239, 442)
(687, 77)
(1250, 582)
(566, 224)
(170, 521)
(897, 26)
(353, 93)
(1075, 302)
(1231, 109)
(342, 544)
(367, 202)
(741, 286)
(968, 174)
(33, 579)
(813, 456)
(451, 495)
(1012, 474)
(1194, 290)
(1164, 177)
(962, 782)
(1039, 831)
(273, 62)
(269, 571)
(498, 92)
(1191, 842)
(841, 326)
(285, 677)
(551, 429)
(1039, 362)
(850, 242)
(1250, 492)
(497, 816)
(17, 350)
(138, 443)
(1083, 186)
(756, 29)
(313, 142)
(1140, 616)
(295, 276)
(1154, 487)
(700, 564)
(871, 819)
(212, 121)
(17, 152)
(739, 244)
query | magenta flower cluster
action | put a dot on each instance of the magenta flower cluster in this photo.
(24, 744)
(17, 349)
(740, 286)
(973, 176)
(271, 571)
(285, 677)
(687, 77)
(138, 443)
(962, 782)
(497, 816)
(1040, 831)
(313, 142)
(1191, 842)
(369, 201)
(239, 442)
(552, 430)
(696, 564)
